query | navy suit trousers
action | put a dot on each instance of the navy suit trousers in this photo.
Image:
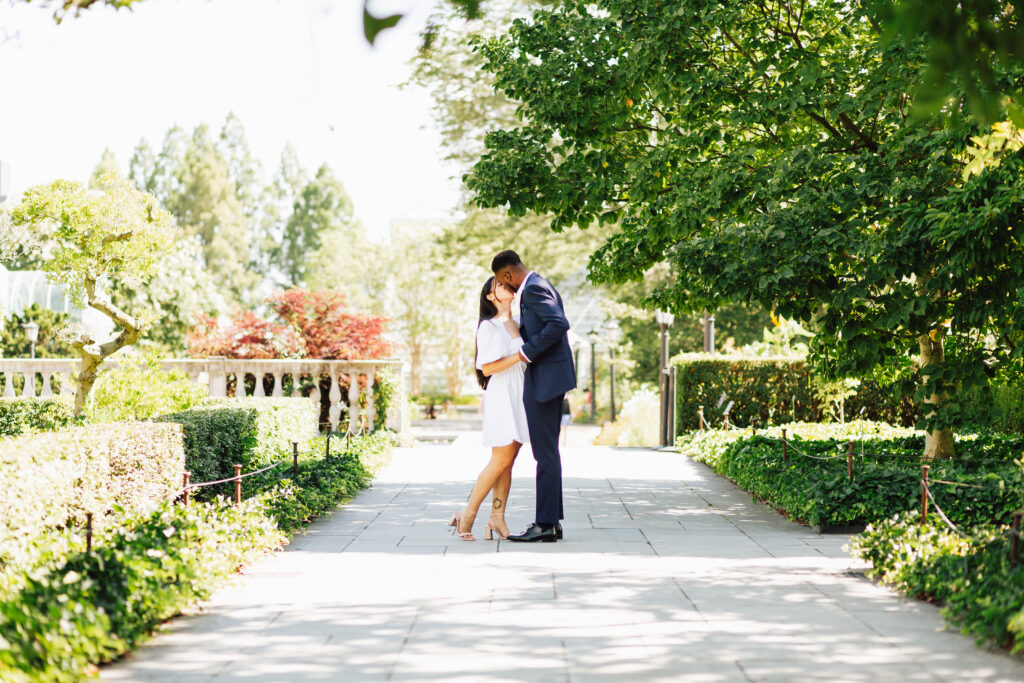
(544, 421)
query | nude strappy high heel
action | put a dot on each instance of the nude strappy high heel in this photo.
(491, 529)
(456, 521)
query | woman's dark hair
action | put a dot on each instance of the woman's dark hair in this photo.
(487, 311)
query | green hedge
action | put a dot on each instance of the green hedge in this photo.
(27, 415)
(69, 611)
(251, 432)
(50, 479)
(773, 391)
(321, 483)
(968, 572)
(75, 610)
(886, 479)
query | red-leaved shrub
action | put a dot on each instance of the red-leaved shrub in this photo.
(312, 325)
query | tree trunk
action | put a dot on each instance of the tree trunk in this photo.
(415, 369)
(94, 354)
(937, 443)
(84, 381)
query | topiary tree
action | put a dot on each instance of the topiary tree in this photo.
(112, 234)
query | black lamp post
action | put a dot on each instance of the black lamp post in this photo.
(665, 320)
(592, 336)
(614, 334)
(32, 332)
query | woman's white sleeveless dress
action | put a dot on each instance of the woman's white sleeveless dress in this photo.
(504, 414)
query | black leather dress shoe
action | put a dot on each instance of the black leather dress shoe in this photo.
(536, 533)
(558, 531)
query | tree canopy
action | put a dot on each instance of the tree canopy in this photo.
(767, 152)
(113, 234)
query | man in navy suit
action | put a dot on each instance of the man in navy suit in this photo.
(550, 373)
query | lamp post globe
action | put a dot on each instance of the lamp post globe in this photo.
(32, 332)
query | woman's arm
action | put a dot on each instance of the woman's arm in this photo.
(500, 365)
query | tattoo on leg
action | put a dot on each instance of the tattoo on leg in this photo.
(497, 503)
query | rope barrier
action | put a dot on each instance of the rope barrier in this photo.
(794, 447)
(938, 510)
(243, 476)
(909, 456)
(203, 484)
(960, 483)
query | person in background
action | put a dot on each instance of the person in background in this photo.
(566, 419)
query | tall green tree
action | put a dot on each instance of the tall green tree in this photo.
(243, 168)
(322, 208)
(106, 166)
(765, 150)
(278, 200)
(467, 106)
(194, 178)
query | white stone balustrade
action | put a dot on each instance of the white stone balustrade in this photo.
(216, 373)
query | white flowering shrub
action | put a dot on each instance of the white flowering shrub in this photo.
(641, 417)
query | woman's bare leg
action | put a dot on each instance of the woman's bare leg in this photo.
(499, 496)
(502, 458)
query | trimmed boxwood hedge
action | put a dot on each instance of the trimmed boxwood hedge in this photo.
(772, 390)
(27, 415)
(250, 432)
(50, 479)
(886, 478)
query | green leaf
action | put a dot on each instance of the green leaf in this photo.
(373, 25)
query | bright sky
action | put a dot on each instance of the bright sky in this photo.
(295, 71)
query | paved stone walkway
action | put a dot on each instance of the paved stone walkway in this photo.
(667, 573)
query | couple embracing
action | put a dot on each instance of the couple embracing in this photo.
(525, 367)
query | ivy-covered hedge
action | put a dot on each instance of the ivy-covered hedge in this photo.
(66, 611)
(773, 391)
(76, 609)
(27, 415)
(250, 432)
(886, 472)
(968, 572)
(321, 483)
(52, 478)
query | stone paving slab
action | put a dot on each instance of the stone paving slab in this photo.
(667, 573)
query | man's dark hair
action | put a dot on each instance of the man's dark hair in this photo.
(504, 259)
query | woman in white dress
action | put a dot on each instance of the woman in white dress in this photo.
(500, 373)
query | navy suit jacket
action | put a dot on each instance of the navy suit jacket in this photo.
(543, 325)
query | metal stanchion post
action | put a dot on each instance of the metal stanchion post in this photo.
(295, 458)
(924, 493)
(238, 484)
(88, 532)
